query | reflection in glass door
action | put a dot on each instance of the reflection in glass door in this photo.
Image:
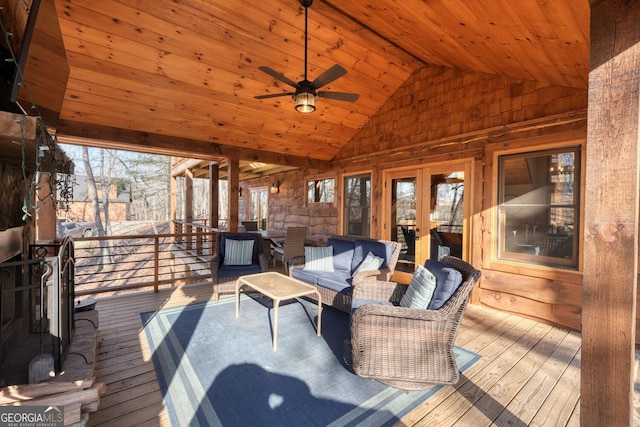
(446, 216)
(426, 213)
(405, 210)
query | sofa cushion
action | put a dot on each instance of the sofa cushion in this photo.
(339, 281)
(305, 275)
(362, 247)
(342, 253)
(448, 279)
(421, 289)
(237, 270)
(318, 258)
(238, 252)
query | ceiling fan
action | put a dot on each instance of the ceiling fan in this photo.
(306, 91)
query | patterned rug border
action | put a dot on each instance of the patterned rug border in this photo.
(183, 391)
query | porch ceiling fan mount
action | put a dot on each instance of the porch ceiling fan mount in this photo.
(306, 92)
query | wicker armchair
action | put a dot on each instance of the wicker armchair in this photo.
(224, 276)
(410, 349)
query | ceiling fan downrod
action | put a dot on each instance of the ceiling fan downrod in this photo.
(306, 4)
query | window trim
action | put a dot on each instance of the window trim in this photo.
(322, 178)
(342, 198)
(516, 265)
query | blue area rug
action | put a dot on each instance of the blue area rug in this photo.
(216, 369)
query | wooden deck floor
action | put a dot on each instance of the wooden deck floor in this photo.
(529, 373)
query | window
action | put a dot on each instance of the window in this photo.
(357, 205)
(321, 190)
(539, 207)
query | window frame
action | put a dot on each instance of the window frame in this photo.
(344, 198)
(500, 253)
(319, 179)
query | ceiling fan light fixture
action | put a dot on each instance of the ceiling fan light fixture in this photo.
(305, 102)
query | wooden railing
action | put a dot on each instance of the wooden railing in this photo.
(119, 263)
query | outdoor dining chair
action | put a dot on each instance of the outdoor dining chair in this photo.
(293, 246)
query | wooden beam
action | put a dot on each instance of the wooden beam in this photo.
(173, 203)
(70, 132)
(214, 194)
(233, 174)
(611, 216)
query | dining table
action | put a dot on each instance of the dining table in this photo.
(270, 239)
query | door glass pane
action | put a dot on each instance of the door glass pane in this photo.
(259, 208)
(447, 214)
(403, 220)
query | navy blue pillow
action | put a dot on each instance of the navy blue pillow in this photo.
(448, 279)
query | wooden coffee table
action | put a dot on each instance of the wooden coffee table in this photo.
(278, 287)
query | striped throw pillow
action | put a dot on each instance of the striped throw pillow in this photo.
(238, 252)
(318, 258)
(421, 289)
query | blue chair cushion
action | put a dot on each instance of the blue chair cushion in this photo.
(225, 271)
(342, 253)
(448, 279)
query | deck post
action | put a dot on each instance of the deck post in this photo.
(611, 215)
(188, 208)
(173, 190)
(214, 194)
(233, 175)
(46, 222)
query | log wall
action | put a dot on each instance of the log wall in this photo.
(443, 114)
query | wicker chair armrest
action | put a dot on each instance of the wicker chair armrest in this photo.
(215, 261)
(296, 262)
(379, 290)
(382, 274)
(394, 312)
(214, 264)
(264, 262)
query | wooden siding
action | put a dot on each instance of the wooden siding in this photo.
(443, 114)
(451, 111)
(529, 373)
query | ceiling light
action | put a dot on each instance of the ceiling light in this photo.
(305, 102)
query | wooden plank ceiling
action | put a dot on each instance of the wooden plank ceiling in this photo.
(179, 76)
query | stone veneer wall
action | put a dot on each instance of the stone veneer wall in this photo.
(289, 207)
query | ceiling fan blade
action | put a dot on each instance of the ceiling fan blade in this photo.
(340, 96)
(274, 95)
(328, 76)
(273, 73)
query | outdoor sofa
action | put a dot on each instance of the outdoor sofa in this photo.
(346, 267)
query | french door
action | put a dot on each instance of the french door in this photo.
(259, 206)
(427, 211)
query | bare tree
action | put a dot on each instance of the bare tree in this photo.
(95, 202)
